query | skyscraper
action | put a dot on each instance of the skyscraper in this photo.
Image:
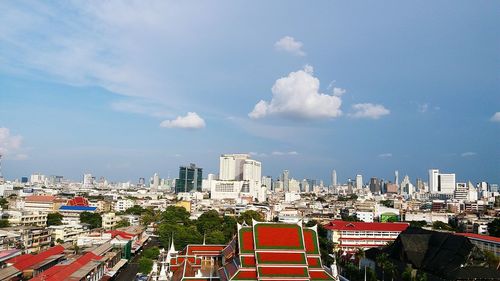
(441, 183)
(334, 178)
(156, 182)
(190, 179)
(375, 185)
(396, 177)
(231, 166)
(359, 181)
(285, 179)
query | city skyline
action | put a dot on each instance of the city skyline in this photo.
(127, 90)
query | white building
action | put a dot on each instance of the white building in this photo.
(123, 204)
(67, 233)
(359, 181)
(441, 183)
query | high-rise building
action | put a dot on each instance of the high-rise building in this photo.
(441, 183)
(88, 181)
(406, 186)
(156, 182)
(190, 179)
(461, 191)
(359, 181)
(231, 166)
(286, 180)
(334, 178)
(375, 185)
(396, 177)
(267, 181)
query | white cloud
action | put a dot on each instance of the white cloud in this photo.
(495, 117)
(257, 154)
(369, 110)
(281, 153)
(423, 108)
(11, 145)
(297, 96)
(290, 45)
(385, 155)
(468, 154)
(338, 91)
(190, 121)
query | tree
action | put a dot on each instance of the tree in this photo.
(491, 259)
(4, 223)
(135, 210)
(145, 265)
(247, 217)
(406, 275)
(382, 262)
(215, 237)
(122, 223)
(54, 219)
(325, 245)
(439, 225)
(418, 224)
(93, 219)
(209, 221)
(4, 203)
(151, 253)
(150, 216)
(229, 227)
(176, 215)
(494, 227)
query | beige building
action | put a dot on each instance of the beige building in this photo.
(109, 220)
(67, 233)
(27, 218)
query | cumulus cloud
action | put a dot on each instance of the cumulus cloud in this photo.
(11, 145)
(297, 96)
(290, 45)
(369, 110)
(338, 91)
(468, 154)
(495, 117)
(190, 121)
(385, 155)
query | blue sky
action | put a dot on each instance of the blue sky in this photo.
(123, 90)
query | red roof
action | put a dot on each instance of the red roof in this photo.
(366, 226)
(61, 272)
(480, 237)
(26, 262)
(123, 234)
(40, 198)
(78, 201)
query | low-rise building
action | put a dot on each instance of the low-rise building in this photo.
(26, 218)
(67, 233)
(109, 220)
(351, 236)
(484, 242)
(44, 203)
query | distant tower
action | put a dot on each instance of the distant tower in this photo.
(156, 182)
(1, 175)
(359, 181)
(396, 177)
(286, 180)
(334, 178)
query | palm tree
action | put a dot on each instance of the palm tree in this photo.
(383, 262)
(360, 254)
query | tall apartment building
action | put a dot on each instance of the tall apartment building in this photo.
(190, 179)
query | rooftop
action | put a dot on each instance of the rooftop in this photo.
(366, 226)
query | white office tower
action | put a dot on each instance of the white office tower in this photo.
(441, 183)
(156, 182)
(305, 186)
(407, 187)
(238, 176)
(88, 181)
(472, 194)
(461, 191)
(293, 186)
(231, 166)
(37, 178)
(359, 181)
(396, 177)
(334, 178)
(433, 180)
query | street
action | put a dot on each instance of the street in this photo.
(131, 269)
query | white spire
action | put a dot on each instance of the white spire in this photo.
(171, 251)
(333, 267)
(163, 273)
(204, 234)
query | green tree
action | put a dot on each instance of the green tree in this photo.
(176, 215)
(247, 217)
(209, 221)
(494, 227)
(4, 223)
(325, 245)
(406, 275)
(183, 235)
(216, 237)
(418, 224)
(135, 210)
(4, 203)
(151, 253)
(93, 219)
(54, 219)
(122, 223)
(383, 262)
(229, 227)
(491, 259)
(150, 216)
(145, 265)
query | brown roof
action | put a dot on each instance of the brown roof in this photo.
(40, 198)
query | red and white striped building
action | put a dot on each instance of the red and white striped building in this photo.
(350, 236)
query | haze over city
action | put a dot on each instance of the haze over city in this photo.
(123, 90)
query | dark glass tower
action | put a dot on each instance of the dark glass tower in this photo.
(189, 180)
